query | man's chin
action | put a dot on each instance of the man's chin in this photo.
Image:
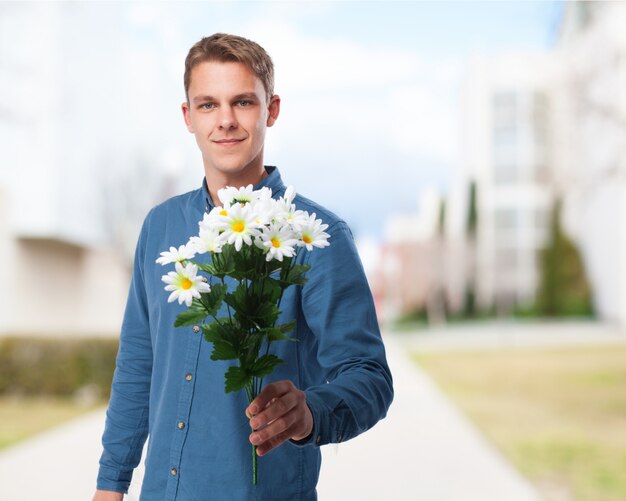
(235, 170)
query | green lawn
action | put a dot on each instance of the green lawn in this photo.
(24, 417)
(559, 414)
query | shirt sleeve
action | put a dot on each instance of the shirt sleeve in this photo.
(126, 425)
(338, 307)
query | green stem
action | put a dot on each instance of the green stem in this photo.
(254, 465)
(227, 305)
(252, 394)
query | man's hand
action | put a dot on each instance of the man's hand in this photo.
(108, 496)
(278, 414)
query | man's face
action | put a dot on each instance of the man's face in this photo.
(228, 113)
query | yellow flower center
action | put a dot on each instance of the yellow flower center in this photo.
(307, 239)
(238, 227)
(186, 283)
(223, 212)
(275, 242)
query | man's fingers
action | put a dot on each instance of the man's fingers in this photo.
(276, 408)
(272, 390)
(277, 432)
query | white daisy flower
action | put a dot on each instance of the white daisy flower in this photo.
(185, 284)
(278, 241)
(290, 194)
(295, 218)
(265, 209)
(206, 241)
(175, 255)
(238, 226)
(264, 194)
(286, 211)
(210, 221)
(312, 233)
(230, 196)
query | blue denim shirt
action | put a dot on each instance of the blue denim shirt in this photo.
(166, 387)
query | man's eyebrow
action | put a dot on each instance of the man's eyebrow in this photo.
(197, 99)
(245, 95)
(238, 97)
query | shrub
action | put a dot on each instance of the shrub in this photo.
(63, 367)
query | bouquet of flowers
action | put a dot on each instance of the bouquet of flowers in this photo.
(253, 240)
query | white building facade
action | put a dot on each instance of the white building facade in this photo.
(543, 126)
(591, 145)
(506, 134)
(76, 177)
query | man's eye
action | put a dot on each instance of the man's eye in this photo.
(244, 103)
(207, 106)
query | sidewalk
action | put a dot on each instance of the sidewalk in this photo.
(423, 451)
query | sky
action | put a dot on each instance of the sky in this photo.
(370, 93)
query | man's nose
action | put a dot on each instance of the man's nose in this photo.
(227, 119)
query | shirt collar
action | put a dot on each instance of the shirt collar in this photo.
(272, 181)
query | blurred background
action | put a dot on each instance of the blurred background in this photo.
(476, 149)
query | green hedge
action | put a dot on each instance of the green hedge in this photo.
(64, 367)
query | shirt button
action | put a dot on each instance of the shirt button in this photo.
(196, 329)
(181, 425)
(188, 377)
(173, 471)
(319, 439)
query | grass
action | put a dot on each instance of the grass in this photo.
(559, 414)
(23, 417)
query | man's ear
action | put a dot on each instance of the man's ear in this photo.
(273, 109)
(185, 109)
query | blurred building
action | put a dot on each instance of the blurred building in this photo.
(543, 126)
(590, 144)
(507, 136)
(410, 273)
(59, 278)
(58, 287)
(537, 127)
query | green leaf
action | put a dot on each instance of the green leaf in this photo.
(224, 340)
(275, 334)
(266, 288)
(238, 298)
(223, 350)
(264, 365)
(223, 262)
(250, 345)
(264, 315)
(288, 327)
(236, 379)
(219, 330)
(213, 300)
(296, 275)
(195, 314)
(207, 268)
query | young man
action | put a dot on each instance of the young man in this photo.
(335, 382)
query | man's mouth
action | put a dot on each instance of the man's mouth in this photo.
(228, 141)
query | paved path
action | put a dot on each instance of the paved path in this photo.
(423, 451)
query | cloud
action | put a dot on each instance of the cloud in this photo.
(339, 88)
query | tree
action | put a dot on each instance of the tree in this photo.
(563, 289)
(469, 301)
(436, 298)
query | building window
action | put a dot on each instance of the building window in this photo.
(505, 137)
(506, 219)
(504, 109)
